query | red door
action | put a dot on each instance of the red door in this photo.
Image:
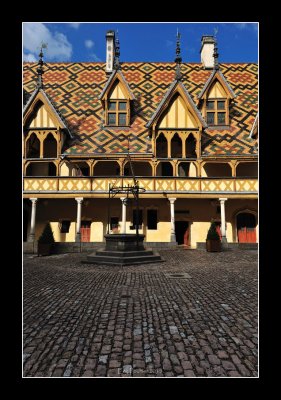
(246, 228)
(186, 237)
(85, 231)
(247, 235)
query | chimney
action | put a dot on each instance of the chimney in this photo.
(110, 51)
(207, 51)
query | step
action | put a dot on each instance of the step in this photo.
(248, 246)
(126, 254)
(105, 259)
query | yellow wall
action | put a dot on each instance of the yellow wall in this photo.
(117, 92)
(192, 170)
(201, 212)
(42, 119)
(63, 237)
(67, 169)
(217, 91)
(178, 116)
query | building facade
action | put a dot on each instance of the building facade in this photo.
(188, 128)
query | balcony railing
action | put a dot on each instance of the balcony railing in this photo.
(62, 184)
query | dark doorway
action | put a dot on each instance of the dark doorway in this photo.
(25, 224)
(182, 232)
(246, 228)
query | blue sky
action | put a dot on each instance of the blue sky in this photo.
(84, 42)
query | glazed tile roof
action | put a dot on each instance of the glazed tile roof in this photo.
(75, 89)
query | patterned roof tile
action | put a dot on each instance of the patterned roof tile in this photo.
(74, 89)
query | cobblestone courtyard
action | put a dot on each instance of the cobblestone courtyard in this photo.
(84, 320)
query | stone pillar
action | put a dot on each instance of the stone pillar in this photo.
(31, 236)
(124, 205)
(223, 230)
(172, 208)
(78, 223)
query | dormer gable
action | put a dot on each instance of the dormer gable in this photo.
(177, 108)
(39, 112)
(214, 100)
(177, 115)
(216, 84)
(116, 86)
(116, 97)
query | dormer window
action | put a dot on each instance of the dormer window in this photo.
(215, 98)
(216, 112)
(117, 97)
(118, 112)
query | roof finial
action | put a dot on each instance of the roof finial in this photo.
(40, 70)
(117, 52)
(216, 54)
(178, 58)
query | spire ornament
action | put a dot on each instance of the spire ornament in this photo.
(40, 70)
(178, 58)
(216, 54)
(117, 53)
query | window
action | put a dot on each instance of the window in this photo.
(64, 226)
(216, 112)
(117, 113)
(134, 226)
(151, 219)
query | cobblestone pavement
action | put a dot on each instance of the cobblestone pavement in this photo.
(85, 320)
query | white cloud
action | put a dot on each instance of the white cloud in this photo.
(94, 57)
(58, 47)
(29, 57)
(248, 26)
(74, 25)
(89, 43)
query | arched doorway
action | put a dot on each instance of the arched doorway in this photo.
(246, 227)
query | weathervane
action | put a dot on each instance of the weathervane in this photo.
(117, 52)
(40, 70)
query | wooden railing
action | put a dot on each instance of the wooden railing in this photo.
(151, 184)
